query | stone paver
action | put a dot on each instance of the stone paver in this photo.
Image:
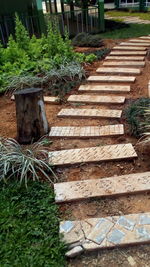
(86, 131)
(145, 37)
(149, 89)
(111, 79)
(118, 70)
(124, 58)
(108, 232)
(47, 99)
(129, 48)
(96, 99)
(104, 88)
(92, 154)
(112, 186)
(128, 53)
(89, 113)
(124, 63)
(139, 41)
(134, 44)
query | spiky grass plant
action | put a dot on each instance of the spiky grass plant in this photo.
(145, 139)
(24, 163)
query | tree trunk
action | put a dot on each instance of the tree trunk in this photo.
(31, 117)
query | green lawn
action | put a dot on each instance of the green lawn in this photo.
(134, 30)
(29, 227)
(115, 13)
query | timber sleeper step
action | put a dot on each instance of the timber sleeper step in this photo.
(129, 58)
(137, 48)
(128, 53)
(124, 63)
(98, 78)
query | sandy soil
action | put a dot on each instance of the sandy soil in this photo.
(96, 207)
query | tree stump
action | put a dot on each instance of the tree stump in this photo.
(32, 123)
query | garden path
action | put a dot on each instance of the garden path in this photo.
(113, 231)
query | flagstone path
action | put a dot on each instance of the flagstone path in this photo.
(98, 233)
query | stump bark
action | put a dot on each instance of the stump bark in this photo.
(32, 123)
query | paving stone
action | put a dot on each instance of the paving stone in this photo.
(129, 48)
(96, 99)
(124, 63)
(47, 99)
(74, 252)
(92, 154)
(124, 58)
(135, 44)
(110, 79)
(90, 113)
(145, 37)
(100, 233)
(149, 89)
(139, 41)
(87, 131)
(128, 53)
(112, 186)
(118, 70)
(104, 88)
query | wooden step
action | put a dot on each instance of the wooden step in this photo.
(128, 53)
(129, 48)
(111, 186)
(118, 70)
(107, 232)
(96, 99)
(134, 44)
(111, 79)
(86, 131)
(124, 63)
(92, 154)
(124, 58)
(104, 88)
(89, 113)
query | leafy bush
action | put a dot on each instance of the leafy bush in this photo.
(56, 80)
(31, 57)
(145, 140)
(29, 227)
(136, 116)
(24, 163)
(87, 40)
(99, 53)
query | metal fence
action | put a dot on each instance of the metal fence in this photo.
(7, 26)
(77, 21)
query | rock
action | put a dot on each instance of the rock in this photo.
(74, 252)
(131, 261)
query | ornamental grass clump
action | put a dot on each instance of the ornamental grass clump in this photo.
(24, 163)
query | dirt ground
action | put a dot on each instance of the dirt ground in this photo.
(103, 206)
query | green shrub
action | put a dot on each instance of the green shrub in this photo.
(99, 53)
(24, 163)
(136, 116)
(29, 227)
(32, 57)
(90, 58)
(87, 40)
